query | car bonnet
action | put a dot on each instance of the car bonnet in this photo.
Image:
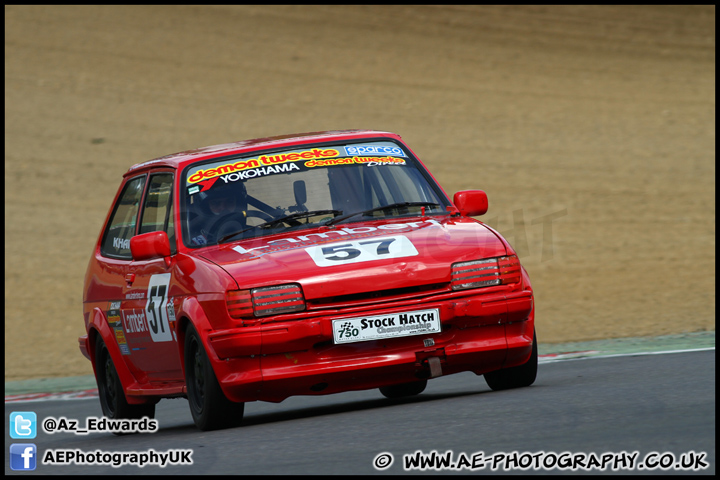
(358, 257)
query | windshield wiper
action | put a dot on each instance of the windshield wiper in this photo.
(384, 207)
(292, 216)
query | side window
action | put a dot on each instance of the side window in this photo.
(157, 213)
(121, 227)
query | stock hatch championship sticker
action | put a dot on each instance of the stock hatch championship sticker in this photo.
(376, 327)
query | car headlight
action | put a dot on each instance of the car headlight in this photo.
(265, 301)
(485, 272)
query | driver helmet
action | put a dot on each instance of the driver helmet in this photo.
(224, 200)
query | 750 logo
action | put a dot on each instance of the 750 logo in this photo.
(347, 330)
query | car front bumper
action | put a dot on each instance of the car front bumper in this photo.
(275, 360)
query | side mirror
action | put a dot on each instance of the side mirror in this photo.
(471, 203)
(150, 245)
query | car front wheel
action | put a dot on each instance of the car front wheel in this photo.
(515, 377)
(112, 397)
(210, 408)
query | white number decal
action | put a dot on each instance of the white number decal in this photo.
(366, 250)
(156, 308)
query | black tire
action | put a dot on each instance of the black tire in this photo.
(515, 377)
(112, 396)
(404, 389)
(210, 408)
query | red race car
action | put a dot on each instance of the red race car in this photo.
(297, 265)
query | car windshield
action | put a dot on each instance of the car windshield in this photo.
(306, 187)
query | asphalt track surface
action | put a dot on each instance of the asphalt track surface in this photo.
(658, 406)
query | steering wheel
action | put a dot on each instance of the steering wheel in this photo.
(259, 214)
(234, 222)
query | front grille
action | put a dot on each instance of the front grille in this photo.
(378, 296)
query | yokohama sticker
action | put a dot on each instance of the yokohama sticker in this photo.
(404, 324)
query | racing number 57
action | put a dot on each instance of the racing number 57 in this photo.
(351, 252)
(156, 308)
(156, 297)
(366, 250)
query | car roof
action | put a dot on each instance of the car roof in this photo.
(181, 159)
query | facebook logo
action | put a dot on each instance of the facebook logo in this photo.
(23, 425)
(23, 456)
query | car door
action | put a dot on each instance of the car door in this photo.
(105, 281)
(148, 309)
